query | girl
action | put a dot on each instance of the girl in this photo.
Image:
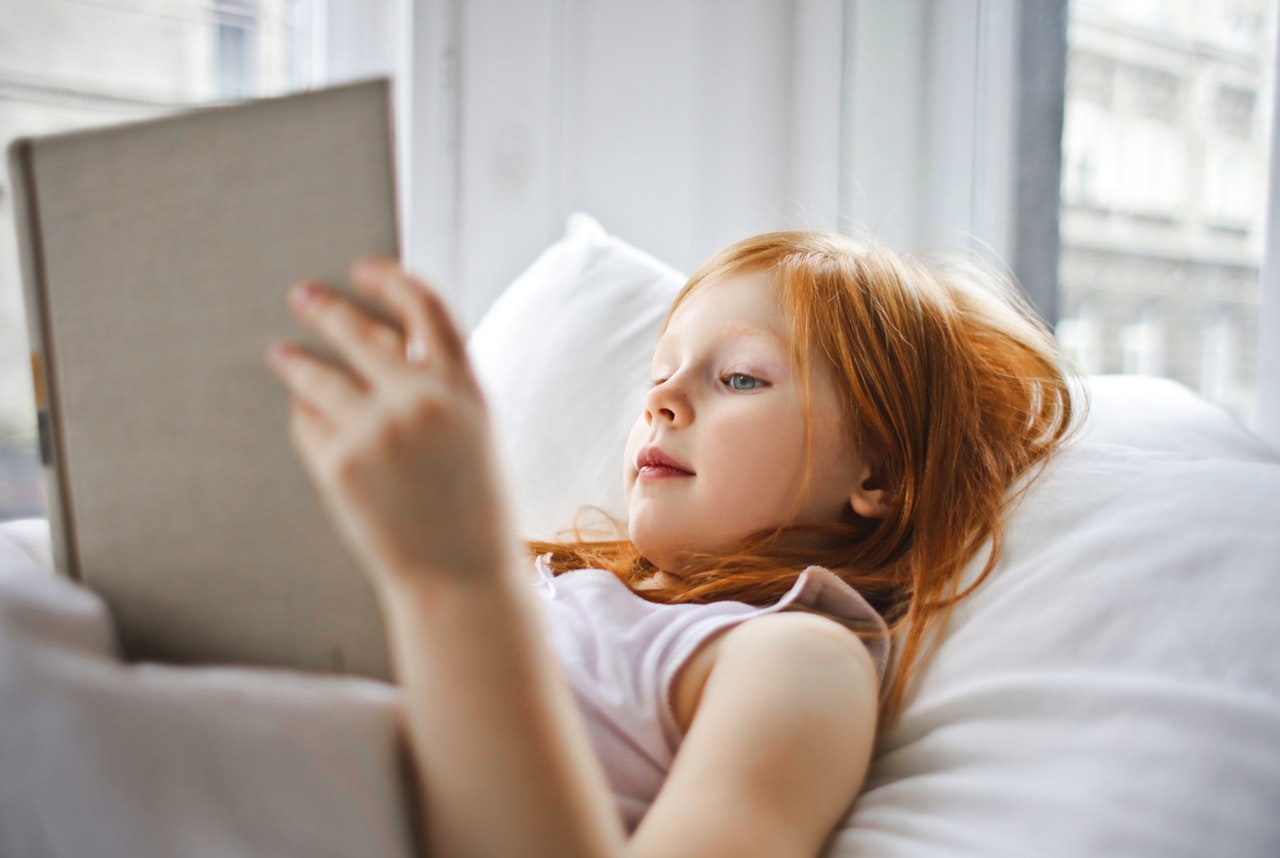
(832, 434)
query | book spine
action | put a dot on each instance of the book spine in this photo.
(44, 378)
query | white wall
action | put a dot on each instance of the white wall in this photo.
(681, 125)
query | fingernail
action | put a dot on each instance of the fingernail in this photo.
(279, 355)
(368, 267)
(304, 294)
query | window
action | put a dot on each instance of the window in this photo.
(1142, 343)
(1128, 182)
(234, 60)
(1080, 338)
(1220, 359)
(1165, 150)
(70, 64)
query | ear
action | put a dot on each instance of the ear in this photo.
(873, 496)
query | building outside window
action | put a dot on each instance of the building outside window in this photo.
(1165, 149)
(1080, 338)
(1142, 343)
(1220, 370)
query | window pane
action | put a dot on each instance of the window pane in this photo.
(69, 64)
(1165, 147)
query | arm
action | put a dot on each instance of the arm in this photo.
(400, 454)
(504, 765)
(778, 746)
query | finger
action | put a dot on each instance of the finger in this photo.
(308, 423)
(320, 385)
(370, 346)
(384, 279)
(311, 433)
(428, 325)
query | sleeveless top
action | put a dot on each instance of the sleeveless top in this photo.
(621, 655)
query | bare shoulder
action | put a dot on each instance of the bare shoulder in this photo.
(801, 635)
(778, 742)
(791, 649)
(808, 658)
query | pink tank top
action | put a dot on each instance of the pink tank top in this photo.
(621, 655)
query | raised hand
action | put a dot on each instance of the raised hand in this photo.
(397, 442)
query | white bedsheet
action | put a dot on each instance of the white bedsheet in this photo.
(1113, 690)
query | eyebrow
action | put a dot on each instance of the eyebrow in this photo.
(753, 331)
(738, 329)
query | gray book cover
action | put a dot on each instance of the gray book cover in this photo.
(156, 257)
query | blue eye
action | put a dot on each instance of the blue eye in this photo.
(741, 381)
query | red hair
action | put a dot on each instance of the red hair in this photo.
(949, 384)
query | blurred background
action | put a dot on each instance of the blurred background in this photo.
(1114, 156)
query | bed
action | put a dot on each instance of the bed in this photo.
(1113, 688)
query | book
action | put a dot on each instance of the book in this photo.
(156, 258)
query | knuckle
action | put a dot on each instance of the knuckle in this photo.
(365, 329)
(303, 372)
(389, 437)
(420, 294)
(411, 417)
(344, 468)
(403, 422)
(338, 318)
(423, 410)
(385, 339)
(429, 302)
(347, 322)
(313, 380)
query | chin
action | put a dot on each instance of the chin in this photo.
(671, 556)
(657, 551)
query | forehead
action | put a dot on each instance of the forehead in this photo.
(741, 303)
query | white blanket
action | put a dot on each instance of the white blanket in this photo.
(102, 759)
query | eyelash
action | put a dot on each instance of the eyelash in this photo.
(727, 381)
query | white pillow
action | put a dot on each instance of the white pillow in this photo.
(1161, 415)
(563, 357)
(1113, 688)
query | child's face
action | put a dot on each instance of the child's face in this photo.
(727, 407)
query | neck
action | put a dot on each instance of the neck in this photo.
(657, 581)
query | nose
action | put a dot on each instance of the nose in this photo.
(667, 402)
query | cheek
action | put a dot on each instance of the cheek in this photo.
(837, 466)
(763, 464)
(634, 440)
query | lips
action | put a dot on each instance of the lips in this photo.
(652, 462)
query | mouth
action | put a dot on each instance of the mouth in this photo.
(654, 464)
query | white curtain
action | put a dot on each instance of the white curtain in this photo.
(1268, 384)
